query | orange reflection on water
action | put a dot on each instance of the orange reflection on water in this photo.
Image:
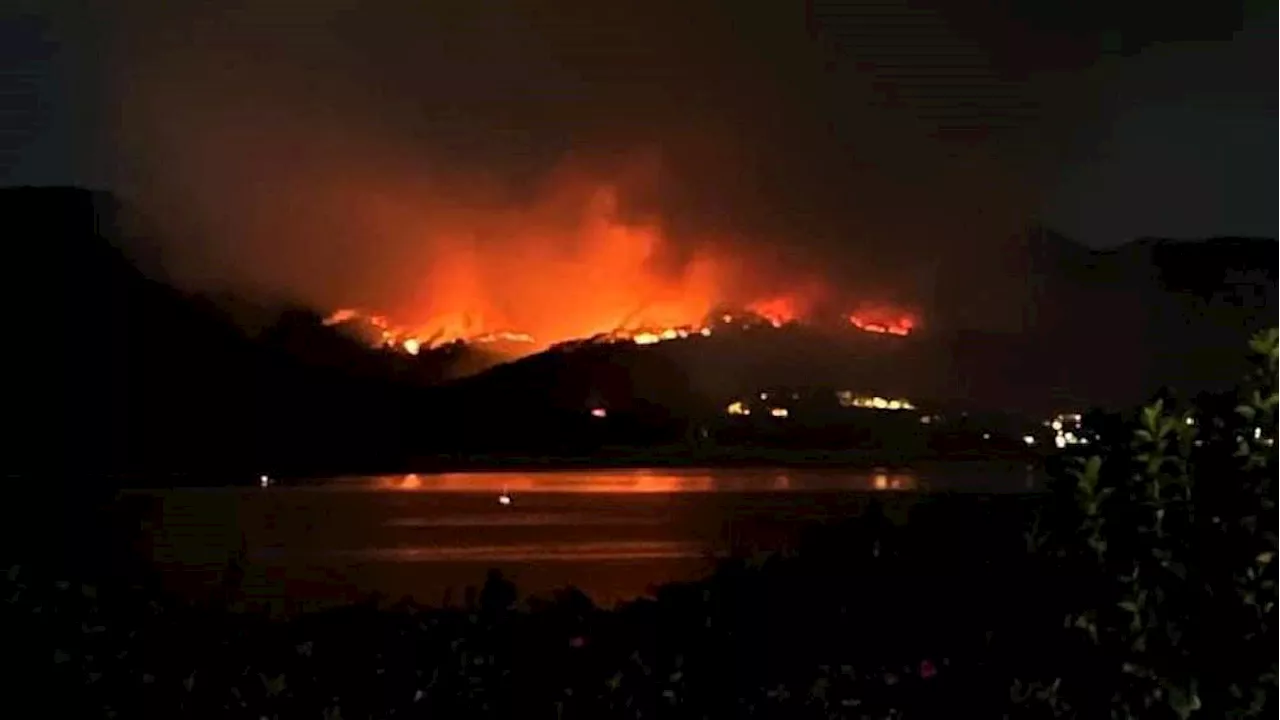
(640, 481)
(621, 481)
(888, 481)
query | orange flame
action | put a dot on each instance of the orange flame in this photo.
(884, 320)
(571, 265)
(778, 310)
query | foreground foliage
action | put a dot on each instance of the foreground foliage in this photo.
(1169, 532)
(1143, 585)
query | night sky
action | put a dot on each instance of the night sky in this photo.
(915, 130)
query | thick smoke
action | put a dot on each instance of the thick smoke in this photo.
(502, 164)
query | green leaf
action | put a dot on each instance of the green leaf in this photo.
(1183, 701)
(274, 686)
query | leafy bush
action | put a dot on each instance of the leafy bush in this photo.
(1146, 588)
(1163, 545)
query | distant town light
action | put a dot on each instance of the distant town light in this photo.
(925, 419)
(764, 396)
(986, 436)
(848, 399)
(264, 481)
(779, 412)
(737, 407)
(1056, 425)
(1029, 440)
(705, 332)
(1059, 441)
(412, 346)
(599, 412)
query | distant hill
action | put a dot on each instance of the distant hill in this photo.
(113, 372)
(1100, 328)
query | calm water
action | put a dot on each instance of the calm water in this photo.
(613, 533)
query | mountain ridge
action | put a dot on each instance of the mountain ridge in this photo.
(118, 371)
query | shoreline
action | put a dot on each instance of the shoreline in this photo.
(723, 458)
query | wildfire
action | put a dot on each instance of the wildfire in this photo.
(778, 311)
(883, 321)
(389, 335)
(653, 336)
(571, 266)
(770, 313)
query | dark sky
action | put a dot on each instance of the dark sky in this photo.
(908, 130)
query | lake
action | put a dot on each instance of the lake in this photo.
(613, 533)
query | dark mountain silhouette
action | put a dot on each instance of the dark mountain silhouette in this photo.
(113, 372)
(1099, 329)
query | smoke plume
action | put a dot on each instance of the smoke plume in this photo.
(496, 165)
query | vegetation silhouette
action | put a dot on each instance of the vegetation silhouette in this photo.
(120, 378)
(1142, 585)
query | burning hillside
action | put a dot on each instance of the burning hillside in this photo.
(379, 331)
(574, 260)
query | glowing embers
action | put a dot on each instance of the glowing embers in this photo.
(847, 399)
(655, 336)
(380, 332)
(901, 326)
(777, 311)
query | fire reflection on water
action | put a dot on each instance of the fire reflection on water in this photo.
(640, 481)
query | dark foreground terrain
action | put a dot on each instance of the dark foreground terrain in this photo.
(916, 606)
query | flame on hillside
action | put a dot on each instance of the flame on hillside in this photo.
(883, 320)
(574, 262)
(386, 334)
(771, 314)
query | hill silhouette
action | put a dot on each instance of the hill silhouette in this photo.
(114, 372)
